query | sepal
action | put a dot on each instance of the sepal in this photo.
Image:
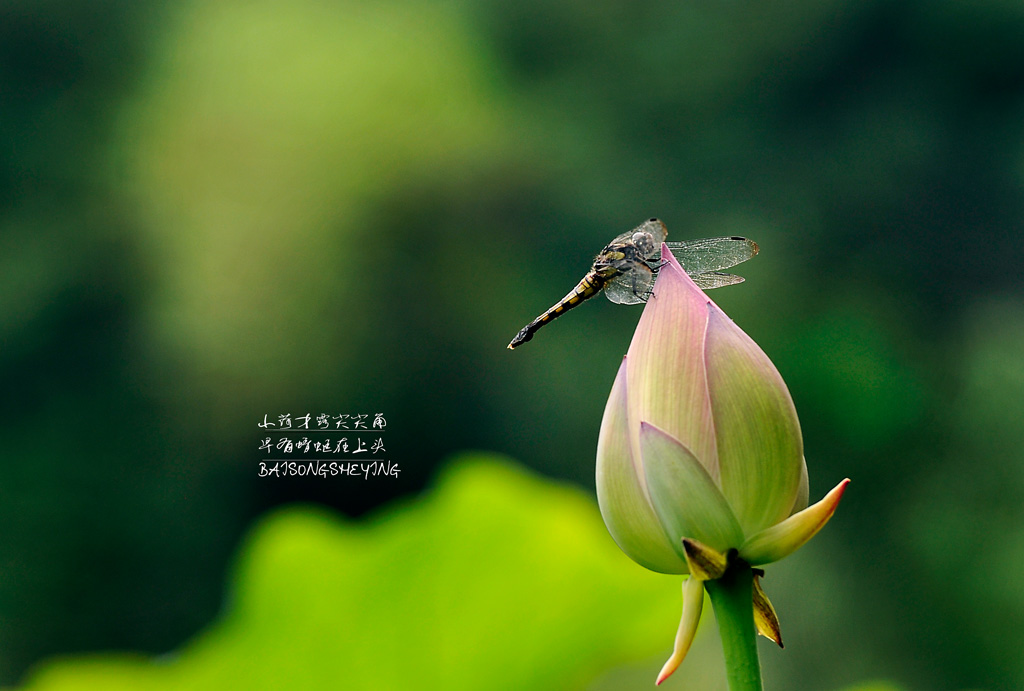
(705, 563)
(765, 618)
(693, 603)
(785, 538)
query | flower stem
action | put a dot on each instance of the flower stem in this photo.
(732, 599)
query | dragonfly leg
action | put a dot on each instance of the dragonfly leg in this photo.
(637, 291)
(644, 292)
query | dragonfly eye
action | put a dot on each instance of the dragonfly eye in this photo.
(644, 243)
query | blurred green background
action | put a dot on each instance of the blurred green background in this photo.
(212, 211)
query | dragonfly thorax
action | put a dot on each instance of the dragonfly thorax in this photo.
(618, 258)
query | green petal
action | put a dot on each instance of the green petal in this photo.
(786, 537)
(693, 604)
(627, 512)
(686, 499)
(668, 387)
(760, 450)
(803, 493)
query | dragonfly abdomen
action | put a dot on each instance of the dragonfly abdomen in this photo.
(589, 286)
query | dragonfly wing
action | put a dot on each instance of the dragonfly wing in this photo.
(712, 254)
(714, 279)
(631, 287)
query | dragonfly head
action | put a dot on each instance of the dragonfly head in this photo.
(645, 244)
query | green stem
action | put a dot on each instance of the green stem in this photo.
(732, 598)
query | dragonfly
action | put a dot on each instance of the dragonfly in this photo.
(628, 266)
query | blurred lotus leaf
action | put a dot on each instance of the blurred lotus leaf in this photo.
(496, 579)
